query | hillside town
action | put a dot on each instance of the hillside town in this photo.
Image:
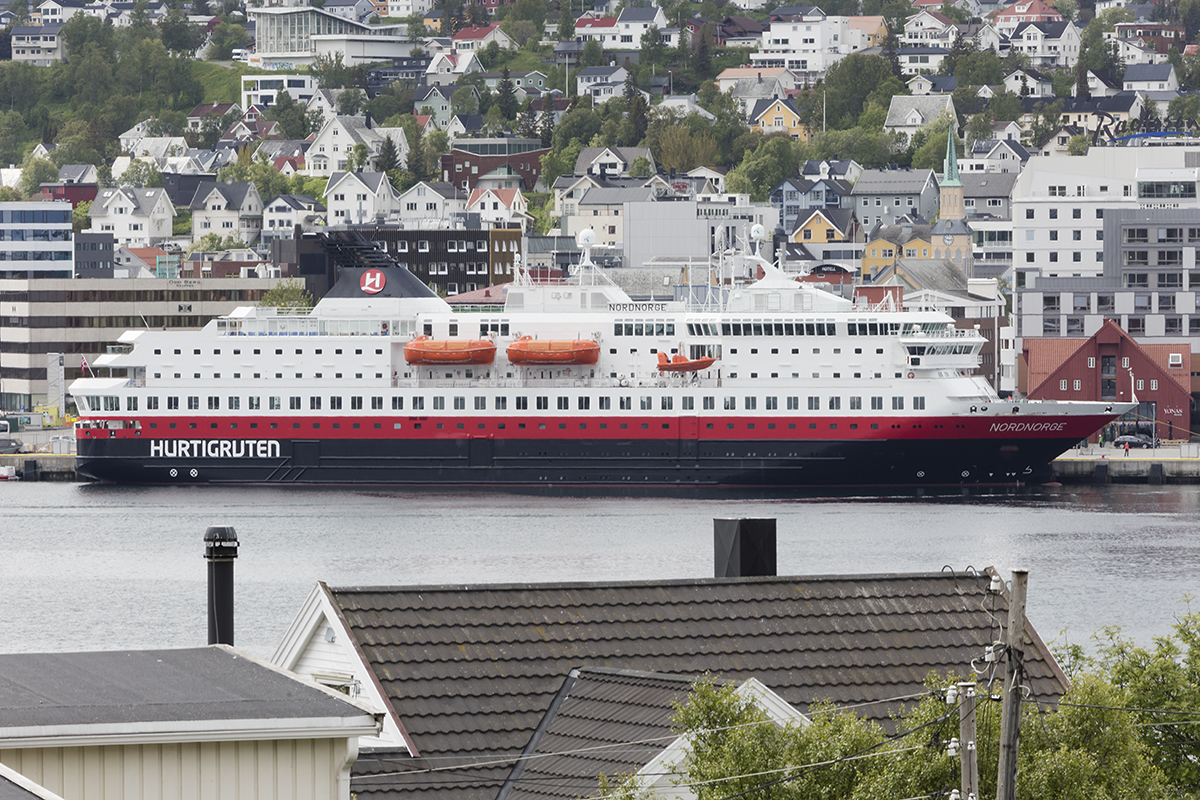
(174, 161)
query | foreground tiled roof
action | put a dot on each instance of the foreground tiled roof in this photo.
(610, 722)
(471, 670)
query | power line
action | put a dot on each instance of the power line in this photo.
(501, 759)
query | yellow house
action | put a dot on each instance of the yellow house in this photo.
(779, 116)
(827, 225)
(433, 21)
(873, 26)
(891, 243)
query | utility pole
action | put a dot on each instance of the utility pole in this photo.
(1010, 715)
(966, 737)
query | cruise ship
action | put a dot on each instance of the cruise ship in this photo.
(751, 379)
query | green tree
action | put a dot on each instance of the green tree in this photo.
(1077, 145)
(360, 158)
(36, 172)
(12, 136)
(179, 35)
(566, 23)
(849, 82)
(560, 161)
(80, 221)
(141, 174)
(546, 122)
(932, 152)
(527, 125)
(1005, 107)
(1089, 747)
(290, 116)
(640, 168)
(388, 159)
(592, 55)
(506, 97)
(1047, 118)
(226, 38)
(464, 101)
(266, 179)
(978, 128)
(350, 102)
(287, 293)
(1094, 50)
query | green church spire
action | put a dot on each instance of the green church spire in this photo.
(951, 166)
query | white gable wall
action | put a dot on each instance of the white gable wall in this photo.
(307, 651)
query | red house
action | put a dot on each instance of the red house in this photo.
(1112, 366)
(74, 193)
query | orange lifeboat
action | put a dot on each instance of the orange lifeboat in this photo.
(424, 350)
(528, 351)
(681, 364)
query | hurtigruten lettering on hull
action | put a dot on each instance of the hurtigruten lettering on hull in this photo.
(747, 377)
(214, 448)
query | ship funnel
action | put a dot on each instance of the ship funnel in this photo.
(744, 548)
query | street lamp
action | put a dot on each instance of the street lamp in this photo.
(670, 81)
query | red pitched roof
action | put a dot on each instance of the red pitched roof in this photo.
(505, 196)
(475, 32)
(601, 22)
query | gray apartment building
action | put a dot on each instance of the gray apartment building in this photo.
(1149, 284)
(882, 196)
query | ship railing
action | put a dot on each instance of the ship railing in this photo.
(119, 349)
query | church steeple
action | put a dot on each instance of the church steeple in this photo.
(951, 165)
(951, 187)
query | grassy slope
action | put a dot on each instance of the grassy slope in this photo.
(221, 84)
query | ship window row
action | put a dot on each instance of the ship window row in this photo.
(112, 403)
(767, 328)
(237, 351)
(487, 326)
(656, 327)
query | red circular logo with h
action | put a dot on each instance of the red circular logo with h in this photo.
(372, 281)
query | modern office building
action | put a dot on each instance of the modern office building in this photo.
(36, 240)
(82, 318)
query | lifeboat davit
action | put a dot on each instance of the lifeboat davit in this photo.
(681, 364)
(528, 351)
(424, 350)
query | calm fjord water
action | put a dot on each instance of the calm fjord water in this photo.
(100, 567)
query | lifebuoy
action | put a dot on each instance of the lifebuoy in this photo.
(910, 375)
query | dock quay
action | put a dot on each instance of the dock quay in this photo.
(1172, 463)
(41, 466)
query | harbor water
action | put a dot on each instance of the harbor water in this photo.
(101, 567)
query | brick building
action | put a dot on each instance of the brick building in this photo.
(1112, 366)
(494, 164)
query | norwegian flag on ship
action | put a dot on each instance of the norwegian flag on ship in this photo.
(83, 364)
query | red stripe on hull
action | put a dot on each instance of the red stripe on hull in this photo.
(610, 427)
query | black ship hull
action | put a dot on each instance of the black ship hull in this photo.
(490, 462)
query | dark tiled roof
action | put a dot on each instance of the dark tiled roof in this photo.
(234, 193)
(583, 737)
(471, 670)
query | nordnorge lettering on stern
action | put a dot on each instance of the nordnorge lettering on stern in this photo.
(745, 378)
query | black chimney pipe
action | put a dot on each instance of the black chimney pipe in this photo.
(220, 549)
(744, 548)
